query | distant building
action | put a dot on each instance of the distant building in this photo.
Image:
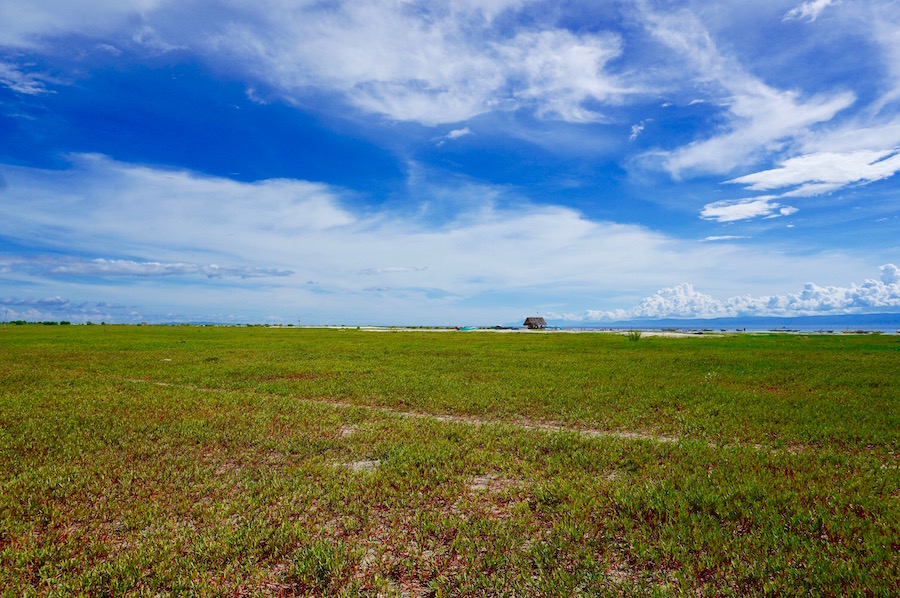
(535, 323)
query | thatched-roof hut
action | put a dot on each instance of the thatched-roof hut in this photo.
(535, 323)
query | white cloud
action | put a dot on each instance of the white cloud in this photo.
(435, 62)
(174, 220)
(725, 237)
(760, 118)
(883, 22)
(16, 79)
(731, 210)
(27, 23)
(442, 69)
(763, 119)
(457, 133)
(454, 134)
(391, 270)
(114, 267)
(61, 267)
(822, 172)
(153, 224)
(636, 130)
(169, 222)
(682, 301)
(873, 132)
(890, 274)
(808, 10)
(678, 301)
(562, 71)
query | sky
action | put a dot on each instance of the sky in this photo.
(450, 162)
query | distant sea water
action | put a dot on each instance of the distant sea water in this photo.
(886, 323)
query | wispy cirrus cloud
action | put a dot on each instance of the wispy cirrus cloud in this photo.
(450, 64)
(724, 238)
(821, 172)
(433, 63)
(760, 118)
(638, 128)
(392, 270)
(62, 267)
(30, 24)
(562, 71)
(19, 80)
(117, 268)
(809, 10)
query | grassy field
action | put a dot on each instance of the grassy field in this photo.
(254, 461)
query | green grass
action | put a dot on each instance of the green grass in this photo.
(251, 461)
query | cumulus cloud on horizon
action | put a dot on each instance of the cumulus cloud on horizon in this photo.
(683, 301)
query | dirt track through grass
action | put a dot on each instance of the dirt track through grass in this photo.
(458, 419)
(474, 421)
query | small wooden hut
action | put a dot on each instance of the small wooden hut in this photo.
(535, 323)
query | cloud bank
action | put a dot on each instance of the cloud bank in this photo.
(682, 301)
(265, 240)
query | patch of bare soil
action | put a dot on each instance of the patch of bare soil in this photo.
(491, 483)
(296, 376)
(363, 465)
(229, 466)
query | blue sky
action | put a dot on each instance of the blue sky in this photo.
(448, 162)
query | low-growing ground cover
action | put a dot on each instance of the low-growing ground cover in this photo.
(254, 461)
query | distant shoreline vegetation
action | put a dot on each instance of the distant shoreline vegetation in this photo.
(844, 323)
